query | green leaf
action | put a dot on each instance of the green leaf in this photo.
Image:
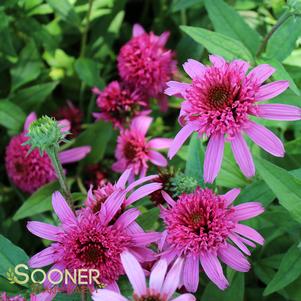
(88, 72)
(38, 202)
(227, 21)
(285, 186)
(11, 116)
(218, 43)
(178, 5)
(10, 256)
(65, 10)
(283, 41)
(289, 270)
(195, 159)
(97, 135)
(149, 219)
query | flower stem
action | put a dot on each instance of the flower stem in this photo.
(53, 155)
(84, 295)
(86, 30)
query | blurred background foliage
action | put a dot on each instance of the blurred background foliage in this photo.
(57, 50)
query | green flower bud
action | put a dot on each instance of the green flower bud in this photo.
(181, 183)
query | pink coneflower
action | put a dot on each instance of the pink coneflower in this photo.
(30, 172)
(218, 103)
(45, 296)
(119, 104)
(97, 197)
(92, 241)
(134, 150)
(162, 285)
(146, 64)
(203, 227)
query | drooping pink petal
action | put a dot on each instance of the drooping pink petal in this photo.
(141, 124)
(44, 230)
(134, 272)
(123, 178)
(127, 217)
(142, 239)
(185, 297)
(138, 30)
(265, 139)
(243, 155)
(157, 158)
(249, 233)
(194, 68)
(234, 258)
(62, 209)
(29, 119)
(191, 273)
(157, 275)
(247, 210)
(213, 270)
(172, 279)
(105, 294)
(74, 154)
(231, 195)
(140, 181)
(239, 243)
(213, 157)
(279, 112)
(43, 258)
(271, 90)
(142, 192)
(217, 60)
(168, 198)
(261, 73)
(180, 138)
(175, 88)
(160, 143)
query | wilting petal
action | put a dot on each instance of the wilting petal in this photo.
(247, 210)
(231, 195)
(42, 258)
(194, 68)
(105, 294)
(279, 112)
(175, 88)
(185, 297)
(191, 273)
(234, 258)
(249, 233)
(44, 230)
(127, 217)
(62, 209)
(213, 157)
(157, 275)
(180, 138)
(217, 60)
(74, 154)
(138, 30)
(141, 124)
(142, 192)
(213, 269)
(271, 90)
(29, 119)
(134, 272)
(160, 143)
(157, 158)
(265, 139)
(261, 73)
(243, 155)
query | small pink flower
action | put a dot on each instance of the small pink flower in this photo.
(219, 102)
(202, 227)
(162, 285)
(30, 172)
(92, 241)
(119, 104)
(45, 296)
(134, 150)
(146, 64)
(97, 197)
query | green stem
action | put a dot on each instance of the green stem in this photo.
(86, 30)
(84, 295)
(53, 155)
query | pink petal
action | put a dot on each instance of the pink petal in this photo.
(234, 259)
(243, 155)
(231, 195)
(279, 112)
(157, 275)
(213, 157)
(104, 294)
(42, 258)
(180, 138)
(271, 90)
(185, 297)
(242, 65)
(239, 243)
(213, 269)
(142, 239)
(74, 154)
(134, 272)
(44, 296)
(127, 217)
(175, 88)
(261, 73)
(123, 178)
(162, 39)
(173, 278)
(157, 158)
(62, 209)
(113, 286)
(265, 139)
(191, 273)
(141, 124)
(44, 230)
(29, 119)
(142, 192)
(53, 276)
(138, 30)
(194, 68)
(160, 143)
(65, 125)
(168, 198)
(217, 60)
(247, 210)
(249, 233)
(141, 181)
